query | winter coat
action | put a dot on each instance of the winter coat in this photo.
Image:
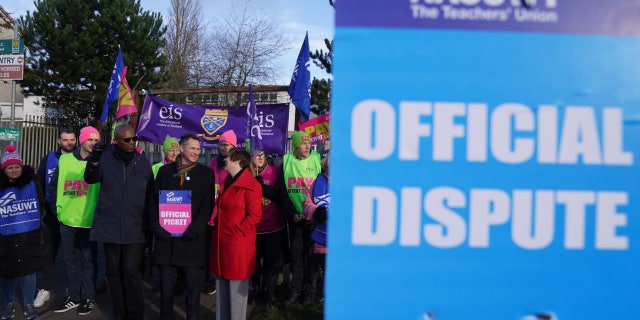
(121, 213)
(184, 251)
(220, 175)
(319, 197)
(273, 217)
(233, 238)
(22, 254)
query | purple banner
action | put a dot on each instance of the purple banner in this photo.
(561, 16)
(160, 118)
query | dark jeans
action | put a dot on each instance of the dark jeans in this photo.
(8, 288)
(209, 279)
(269, 250)
(125, 279)
(316, 263)
(300, 250)
(78, 262)
(168, 283)
(51, 246)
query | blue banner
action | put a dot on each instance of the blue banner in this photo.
(485, 172)
(556, 16)
(19, 210)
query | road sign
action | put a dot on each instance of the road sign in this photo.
(11, 46)
(11, 67)
(10, 134)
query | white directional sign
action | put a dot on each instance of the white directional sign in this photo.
(11, 66)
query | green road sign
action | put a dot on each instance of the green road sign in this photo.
(10, 134)
(11, 46)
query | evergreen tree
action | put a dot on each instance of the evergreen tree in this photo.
(72, 46)
(323, 59)
(321, 88)
(320, 96)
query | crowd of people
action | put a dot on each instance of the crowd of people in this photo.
(228, 228)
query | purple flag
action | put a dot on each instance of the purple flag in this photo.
(253, 126)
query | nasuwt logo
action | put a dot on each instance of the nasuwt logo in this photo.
(535, 11)
(172, 198)
(9, 204)
(7, 198)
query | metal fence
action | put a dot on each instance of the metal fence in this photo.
(39, 135)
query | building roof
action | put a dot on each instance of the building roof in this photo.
(6, 20)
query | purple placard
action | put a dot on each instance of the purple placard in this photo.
(174, 211)
(160, 118)
(558, 16)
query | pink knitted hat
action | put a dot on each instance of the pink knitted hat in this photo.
(229, 137)
(88, 132)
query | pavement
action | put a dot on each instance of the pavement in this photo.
(104, 306)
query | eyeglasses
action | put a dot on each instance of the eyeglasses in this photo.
(127, 140)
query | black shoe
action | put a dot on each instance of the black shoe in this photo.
(210, 289)
(268, 296)
(9, 311)
(307, 299)
(67, 305)
(86, 307)
(103, 287)
(293, 297)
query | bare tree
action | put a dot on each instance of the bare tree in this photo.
(185, 37)
(242, 49)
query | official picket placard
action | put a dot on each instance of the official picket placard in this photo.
(485, 160)
(174, 211)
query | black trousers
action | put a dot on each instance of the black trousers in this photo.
(269, 252)
(316, 263)
(51, 246)
(193, 282)
(125, 279)
(300, 252)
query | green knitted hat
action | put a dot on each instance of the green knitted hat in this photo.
(297, 137)
(170, 144)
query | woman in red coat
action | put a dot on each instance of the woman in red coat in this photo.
(233, 239)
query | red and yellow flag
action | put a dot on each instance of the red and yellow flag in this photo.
(126, 100)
